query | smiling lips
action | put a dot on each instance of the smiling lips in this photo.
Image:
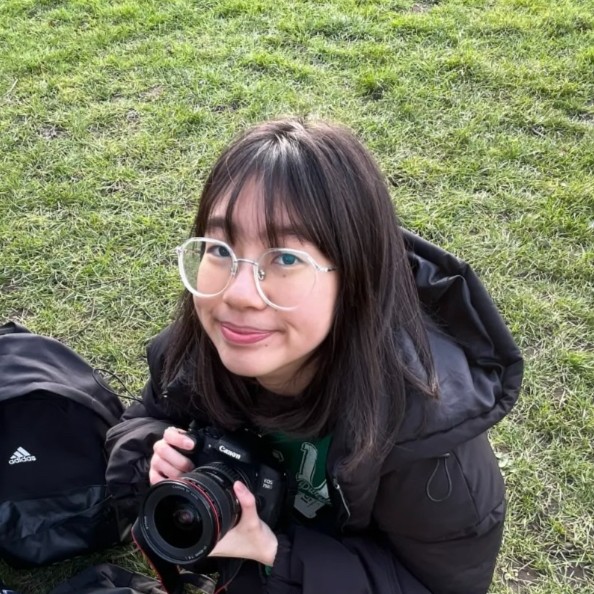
(243, 334)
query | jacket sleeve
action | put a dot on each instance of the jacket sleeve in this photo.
(310, 562)
(130, 442)
(439, 525)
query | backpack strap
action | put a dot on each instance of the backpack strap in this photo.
(30, 362)
(13, 328)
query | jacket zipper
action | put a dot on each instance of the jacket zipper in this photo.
(345, 507)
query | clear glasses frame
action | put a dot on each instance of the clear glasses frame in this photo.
(259, 272)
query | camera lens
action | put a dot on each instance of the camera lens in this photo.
(183, 519)
(178, 522)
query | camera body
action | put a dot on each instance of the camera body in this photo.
(181, 520)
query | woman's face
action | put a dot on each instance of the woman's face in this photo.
(252, 338)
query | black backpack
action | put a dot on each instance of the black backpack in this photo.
(54, 413)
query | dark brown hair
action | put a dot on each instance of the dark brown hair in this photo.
(330, 187)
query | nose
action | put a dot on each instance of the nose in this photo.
(242, 291)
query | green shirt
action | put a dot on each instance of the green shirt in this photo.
(305, 459)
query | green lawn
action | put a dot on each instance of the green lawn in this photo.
(481, 113)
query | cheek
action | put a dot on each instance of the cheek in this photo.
(328, 301)
(317, 316)
(201, 308)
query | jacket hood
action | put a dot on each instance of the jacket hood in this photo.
(479, 371)
(478, 365)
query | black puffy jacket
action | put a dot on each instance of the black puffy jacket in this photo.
(426, 519)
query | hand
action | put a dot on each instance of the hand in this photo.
(167, 462)
(251, 538)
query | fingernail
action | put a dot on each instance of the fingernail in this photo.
(240, 488)
(188, 443)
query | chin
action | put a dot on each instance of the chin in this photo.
(243, 369)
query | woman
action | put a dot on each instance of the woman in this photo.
(372, 362)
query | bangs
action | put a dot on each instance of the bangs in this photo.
(281, 183)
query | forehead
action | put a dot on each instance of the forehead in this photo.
(247, 214)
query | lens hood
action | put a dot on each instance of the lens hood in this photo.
(172, 542)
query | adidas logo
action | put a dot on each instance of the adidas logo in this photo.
(21, 455)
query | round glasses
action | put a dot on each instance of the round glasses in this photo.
(284, 277)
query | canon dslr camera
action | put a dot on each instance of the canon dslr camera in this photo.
(181, 520)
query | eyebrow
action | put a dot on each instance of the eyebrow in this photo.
(220, 224)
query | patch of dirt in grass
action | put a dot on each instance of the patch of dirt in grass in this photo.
(584, 118)
(133, 116)
(530, 352)
(527, 575)
(17, 315)
(153, 93)
(8, 287)
(113, 187)
(522, 580)
(571, 570)
(52, 131)
(559, 394)
(420, 7)
(579, 573)
(232, 106)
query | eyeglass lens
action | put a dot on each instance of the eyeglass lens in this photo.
(286, 278)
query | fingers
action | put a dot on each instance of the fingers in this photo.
(178, 438)
(167, 462)
(251, 538)
(249, 512)
(161, 470)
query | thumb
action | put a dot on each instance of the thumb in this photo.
(245, 497)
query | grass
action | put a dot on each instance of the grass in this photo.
(480, 112)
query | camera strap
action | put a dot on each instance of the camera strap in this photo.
(169, 574)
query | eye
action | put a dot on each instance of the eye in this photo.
(287, 259)
(219, 251)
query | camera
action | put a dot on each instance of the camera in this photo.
(181, 520)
